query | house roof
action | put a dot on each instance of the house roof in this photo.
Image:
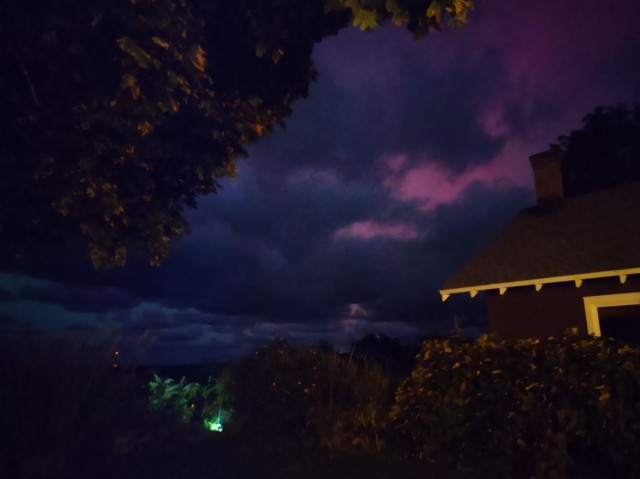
(592, 235)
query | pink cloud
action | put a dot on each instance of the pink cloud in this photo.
(431, 185)
(373, 229)
(492, 120)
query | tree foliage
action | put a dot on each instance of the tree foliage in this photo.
(117, 114)
(604, 153)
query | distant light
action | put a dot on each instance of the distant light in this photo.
(117, 353)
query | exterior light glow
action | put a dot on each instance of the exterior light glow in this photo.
(213, 425)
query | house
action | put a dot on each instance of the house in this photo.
(564, 264)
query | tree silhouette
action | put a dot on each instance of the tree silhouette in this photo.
(604, 153)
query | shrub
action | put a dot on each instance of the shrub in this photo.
(537, 408)
(338, 401)
(270, 388)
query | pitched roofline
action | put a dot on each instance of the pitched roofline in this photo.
(538, 282)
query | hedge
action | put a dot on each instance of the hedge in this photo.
(536, 408)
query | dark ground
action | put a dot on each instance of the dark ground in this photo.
(219, 456)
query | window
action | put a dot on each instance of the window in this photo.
(615, 315)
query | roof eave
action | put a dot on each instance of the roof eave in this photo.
(539, 282)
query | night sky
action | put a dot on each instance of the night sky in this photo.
(406, 157)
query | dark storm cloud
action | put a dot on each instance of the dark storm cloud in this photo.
(298, 213)
(439, 113)
(268, 255)
(10, 329)
(424, 112)
(409, 275)
(395, 279)
(257, 258)
(80, 298)
(186, 333)
(624, 66)
(188, 352)
(81, 328)
(521, 119)
(7, 321)
(6, 295)
(333, 129)
(147, 320)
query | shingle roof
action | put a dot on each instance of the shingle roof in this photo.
(590, 233)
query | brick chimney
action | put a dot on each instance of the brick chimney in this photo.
(547, 176)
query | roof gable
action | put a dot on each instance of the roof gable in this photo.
(592, 233)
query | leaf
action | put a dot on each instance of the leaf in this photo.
(144, 127)
(276, 55)
(261, 49)
(160, 42)
(130, 82)
(365, 19)
(198, 58)
(259, 129)
(140, 56)
(435, 12)
(398, 15)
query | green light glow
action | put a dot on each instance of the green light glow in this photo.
(213, 425)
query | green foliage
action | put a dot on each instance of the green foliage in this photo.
(123, 112)
(338, 401)
(176, 397)
(538, 408)
(604, 153)
(191, 401)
